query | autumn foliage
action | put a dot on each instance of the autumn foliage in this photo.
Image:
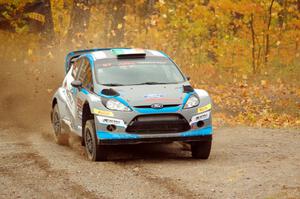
(245, 53)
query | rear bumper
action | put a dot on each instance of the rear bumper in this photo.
(109, 138)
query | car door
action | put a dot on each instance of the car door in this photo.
(85, 76)
(70, 91)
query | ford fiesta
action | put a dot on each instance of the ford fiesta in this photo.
(129, 96)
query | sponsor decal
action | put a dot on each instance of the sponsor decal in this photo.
(102, 112)
(200, 117)
(70, 97)
(128, 51)
(79, 108)
(108, 120)
(79, 103)
(153, 96)
(161, 99)
(204, 108)
(79, 113)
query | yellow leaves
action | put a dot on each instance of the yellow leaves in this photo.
(217, 99)
(50, 55)
(49, 90)
(235, 175)
(162, 2)
(260, 104)
(29, 52)
(221, 119)
(263, 83)
(120, 26)
(278, 43)
(36, 16)
(153, 22)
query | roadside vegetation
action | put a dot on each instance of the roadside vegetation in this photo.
(245, 53)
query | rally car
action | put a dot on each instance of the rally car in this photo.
(118, 96)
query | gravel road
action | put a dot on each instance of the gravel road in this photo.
(244, 163)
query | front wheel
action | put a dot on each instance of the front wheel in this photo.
(94, 151)
(60, 135)
(201, 150)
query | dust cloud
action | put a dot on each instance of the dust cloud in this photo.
(27, 84)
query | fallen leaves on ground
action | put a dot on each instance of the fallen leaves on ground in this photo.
(252, 103)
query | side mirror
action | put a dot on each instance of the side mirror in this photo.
(76, 84)
(188, 78)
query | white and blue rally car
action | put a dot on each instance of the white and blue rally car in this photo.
(118, 96)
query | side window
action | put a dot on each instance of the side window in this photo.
(76, 66)
(85, 75)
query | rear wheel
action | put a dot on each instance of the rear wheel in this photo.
(94, 151)
(61, 137)
(201, 150)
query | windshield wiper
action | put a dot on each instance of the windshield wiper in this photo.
(151, 83)
(113, 84)
(144, 83)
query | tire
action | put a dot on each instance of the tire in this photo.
(61, 136)
(93, 151)
(201, 150)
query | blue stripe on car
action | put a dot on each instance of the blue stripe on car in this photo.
(162, 110)
(197, 132)
(122, 101)
(84, 91)
(115, 136)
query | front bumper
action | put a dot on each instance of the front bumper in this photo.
(109, 138)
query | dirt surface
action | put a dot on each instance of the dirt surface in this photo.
(244, 163)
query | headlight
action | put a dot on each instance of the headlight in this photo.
(114, 104)
(192, 102)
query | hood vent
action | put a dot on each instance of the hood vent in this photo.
(188, 89)
(110, 92)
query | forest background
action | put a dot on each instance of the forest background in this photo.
(245, 53)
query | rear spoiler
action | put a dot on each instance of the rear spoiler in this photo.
(72, 56)
(129, 53)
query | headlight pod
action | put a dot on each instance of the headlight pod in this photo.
(116, 105)
(193, 101)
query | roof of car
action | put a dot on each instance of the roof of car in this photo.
(103, 53)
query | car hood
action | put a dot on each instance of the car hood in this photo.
(146, 95)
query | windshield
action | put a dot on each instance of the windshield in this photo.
(149, 70)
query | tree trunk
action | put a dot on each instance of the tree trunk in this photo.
(267, 47)
(79, 22)
(117, 22)
(253, 44)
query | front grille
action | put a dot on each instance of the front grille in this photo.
(165, 105)
(155, 124)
